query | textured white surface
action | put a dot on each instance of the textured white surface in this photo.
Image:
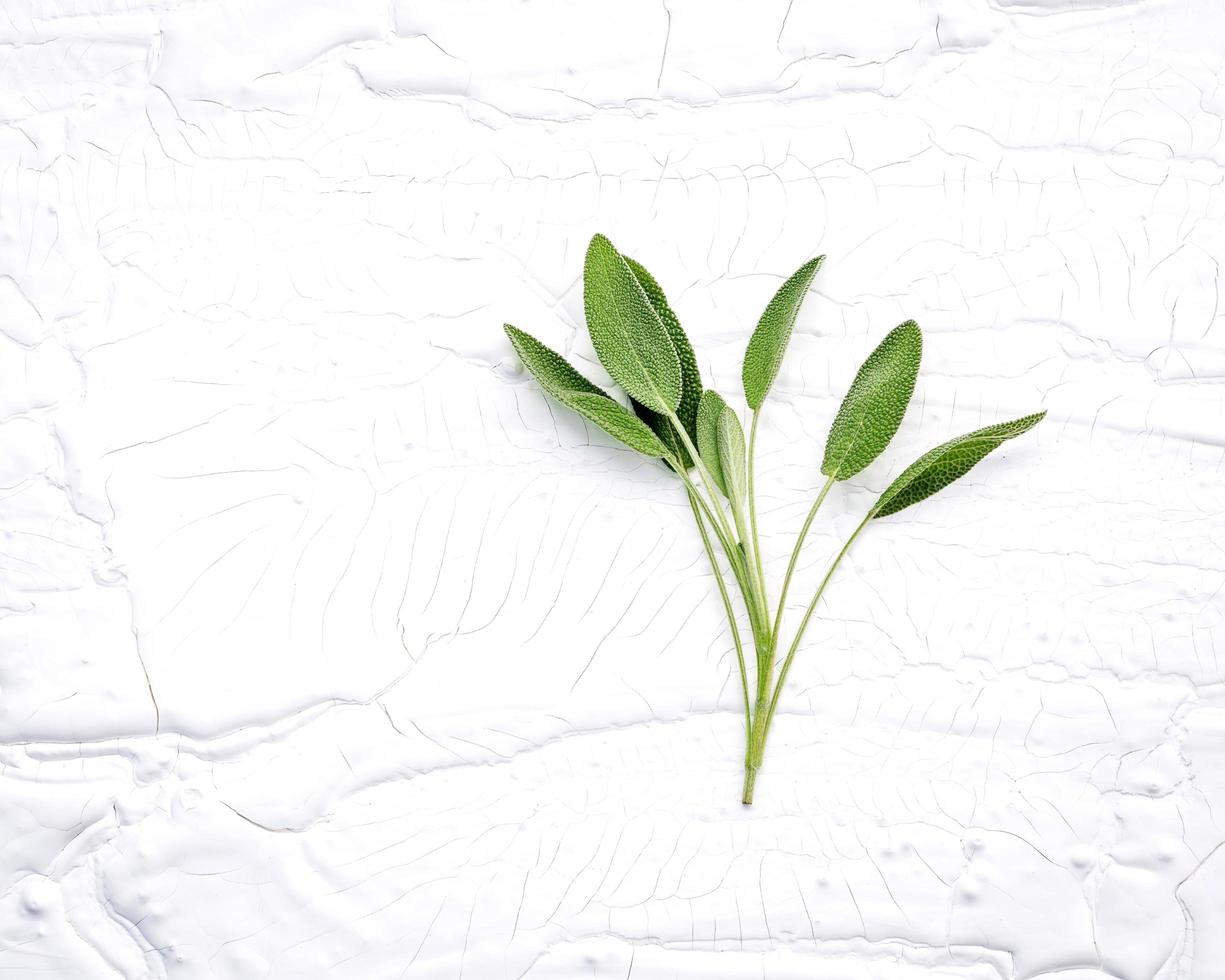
(330, 649)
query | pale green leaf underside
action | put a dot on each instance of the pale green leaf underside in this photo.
(710, 410)
(731, 456)
(873, 407)
(565, 384)
(939, 467)
(764, 354)
(691, 378)
(628, 335)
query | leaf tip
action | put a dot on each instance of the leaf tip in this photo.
(1026, 422)
(515, 336)
(764, 354)
(805, 274)
(599, 243)
(907, 335)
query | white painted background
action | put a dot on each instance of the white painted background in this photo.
(328, 648)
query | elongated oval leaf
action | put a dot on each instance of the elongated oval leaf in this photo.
(764, 354)
(629, 338)
(731, 457)
(939, 467)
(710, 410)
(873, 407)
(617, 420)
(565, 384)
(547, 366)
(691, 378)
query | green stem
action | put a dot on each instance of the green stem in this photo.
(727, 607)
(759, 616)
(750, 780)
(795, 554)
(762, 637)
(755, 751)
(734, 558)
(755, 747)
(761, 642)
(738, 518)
(795, 644)
(707, 479)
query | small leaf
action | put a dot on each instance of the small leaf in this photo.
(764, 354)
(873, 407)
(731, 457)
(574, 391)
(628, 335)
(617, 420)
(710, 410)
(547, 366)
(939, 467)
(691, 378)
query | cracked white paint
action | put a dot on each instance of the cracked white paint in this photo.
(329, 648)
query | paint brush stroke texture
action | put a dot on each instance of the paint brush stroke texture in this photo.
(326, 652)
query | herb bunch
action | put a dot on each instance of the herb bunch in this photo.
(671, 417)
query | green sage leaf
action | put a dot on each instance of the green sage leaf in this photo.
(764, 354)
(875, 403)
(732, 457)
(691, 378)
(939, 467)
(547, 366)
(565, 384)
(617, 420)
(665, 433)
(628, 335)
(710, 411)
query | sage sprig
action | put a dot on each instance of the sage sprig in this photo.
(639, 340)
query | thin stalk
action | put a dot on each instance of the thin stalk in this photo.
(761, 615)
(795, 644)
(754, 572)
(752, 752)
(697, 504)
(727, 607)
(795, 554)
(738, 518)
(755, 581)
(734, 560)
(707, 479)
(750, 780)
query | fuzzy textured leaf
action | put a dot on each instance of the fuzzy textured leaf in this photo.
(764, 354)
(732, 457)
(939, 467)
(691, 378)
(665, 433)
(565, 384)
(710, 410)
(628, 335)
(547, 366)
(873, 407)
(617, 420)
